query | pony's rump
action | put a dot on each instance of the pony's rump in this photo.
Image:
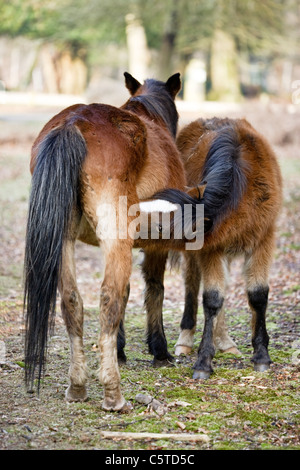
(53, 197)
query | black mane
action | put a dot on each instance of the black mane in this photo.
(158, 103)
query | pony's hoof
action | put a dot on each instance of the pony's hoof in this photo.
(75, 393)
(121, 406)
(122, 359)
(126, 408)
(181, 350)
(201, 375)
(261, 367)
(168, 362)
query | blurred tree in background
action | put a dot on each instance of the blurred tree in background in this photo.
(230, 38)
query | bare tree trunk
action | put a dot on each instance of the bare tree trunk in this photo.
(224, 70)
(168, 43)
(138, 54)
(72, 74)
(48, 55)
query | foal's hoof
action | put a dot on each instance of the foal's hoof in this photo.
(75, 393)
(181, 350)
(201, 375)
(261, 367)
(233, 350)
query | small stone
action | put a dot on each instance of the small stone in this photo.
(143, 398)
(158, 407)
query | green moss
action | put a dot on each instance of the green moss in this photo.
(237, 407)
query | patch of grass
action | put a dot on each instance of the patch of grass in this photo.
(292, 289)
(237, 408)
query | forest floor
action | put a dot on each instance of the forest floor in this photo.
(235, 409)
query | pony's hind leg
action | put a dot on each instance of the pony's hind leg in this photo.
(256, 271)
(188, 323)
(72, 312)
(153, 268)
(113, 291)
(121, 334)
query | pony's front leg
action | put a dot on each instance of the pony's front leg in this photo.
(153, 270)
(222, 341)
(188, 323)
(113, 292)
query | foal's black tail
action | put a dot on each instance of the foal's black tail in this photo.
(225, 173)
(54, 193)
(224, 176)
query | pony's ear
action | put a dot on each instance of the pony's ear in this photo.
(173, 84)
(131, 83)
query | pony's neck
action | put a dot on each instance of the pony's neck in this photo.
(157, 106)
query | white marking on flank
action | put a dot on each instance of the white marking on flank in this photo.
(157, 205)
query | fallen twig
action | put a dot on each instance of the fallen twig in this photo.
(123, 424)
(150, 435)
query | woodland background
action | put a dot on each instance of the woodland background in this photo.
(224, 49)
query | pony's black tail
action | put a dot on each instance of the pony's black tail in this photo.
(54, 193)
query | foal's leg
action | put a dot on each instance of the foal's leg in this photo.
(213, 276)
(113, 291)
(72, 312)
(222, 341)
(121, 334)
(153, 268)
(192, 277)
(256, 270)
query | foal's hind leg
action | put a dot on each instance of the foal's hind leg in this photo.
(256, 270)
(188, 323)
(212, 270)
(222, 340)
(72, 312)
(153, 270)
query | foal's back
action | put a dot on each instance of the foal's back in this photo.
(245, 205)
